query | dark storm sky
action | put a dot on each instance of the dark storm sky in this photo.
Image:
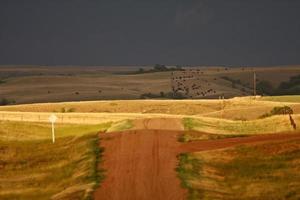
(112, 32)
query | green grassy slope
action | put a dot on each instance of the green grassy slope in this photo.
(267, 171)
(33, 168)
(273, 124)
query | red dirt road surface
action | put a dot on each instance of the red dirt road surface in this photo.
(140, 165)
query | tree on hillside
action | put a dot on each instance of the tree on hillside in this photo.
(159, 67)
(178, 67)
(290, 87)
(162, 94)
(265, 88)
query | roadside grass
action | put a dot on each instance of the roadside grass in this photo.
(119, 126)
(198, 136)
(189, 168)
(264, 171)
(30, 131)
(33, 168)
(42, 170)
(274, 124)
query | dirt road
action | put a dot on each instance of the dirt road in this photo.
(140, 165)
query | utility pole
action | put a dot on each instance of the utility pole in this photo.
(254, 84)
(222, 104)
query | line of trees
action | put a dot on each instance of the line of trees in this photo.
(160, 68)
(291, 87)
(283, 110)
(162, 95)
(235, 82)
(4, 102)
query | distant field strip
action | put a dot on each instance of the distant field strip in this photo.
(292, 98)
(275, 124)
(246, 108)
(78, 118)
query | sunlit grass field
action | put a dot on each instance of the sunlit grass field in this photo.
(239, 108)
(265, 171)
(33, 168)
(24, 131)
(274, 124)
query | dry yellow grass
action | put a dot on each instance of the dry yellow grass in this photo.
(190, 107)
(274, 124)
(239, 116)
(199, 123)
(246, 108)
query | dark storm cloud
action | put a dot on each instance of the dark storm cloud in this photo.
(193, 13)
(100, 32)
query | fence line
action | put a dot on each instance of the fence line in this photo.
(62, 118)
(76, 118)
